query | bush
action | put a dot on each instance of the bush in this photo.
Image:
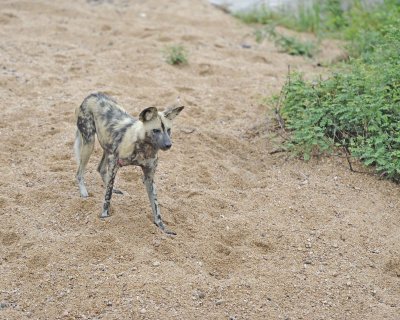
(357, 110)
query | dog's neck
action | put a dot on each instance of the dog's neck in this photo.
(143, 153)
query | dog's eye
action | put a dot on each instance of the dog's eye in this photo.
(169, 132)
(156, 131)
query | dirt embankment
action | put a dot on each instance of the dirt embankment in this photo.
(259, 236)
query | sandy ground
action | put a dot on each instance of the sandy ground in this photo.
(260, 236)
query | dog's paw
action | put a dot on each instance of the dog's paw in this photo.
(84, 194)
(162, 227)
(104, 214)
(169, 232)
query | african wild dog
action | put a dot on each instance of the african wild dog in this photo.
(125, 141)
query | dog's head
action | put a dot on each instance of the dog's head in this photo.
(158, 125)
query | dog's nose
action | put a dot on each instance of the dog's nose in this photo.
(168, 146)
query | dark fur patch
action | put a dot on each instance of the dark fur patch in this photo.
(119, 134)
(86, 127)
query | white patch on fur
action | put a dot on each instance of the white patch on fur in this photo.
(167, 122)
(77, 147)
(133, 134)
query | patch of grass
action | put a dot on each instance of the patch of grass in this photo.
(175, 55)
(361, 26)
(365, 28)
(307, 20)
(259, 15)
(316, 17)
(295, 47)
(320, 17)
(288, 44)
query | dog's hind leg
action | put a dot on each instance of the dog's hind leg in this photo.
(102, 169)
(152, 193)
(83, 150)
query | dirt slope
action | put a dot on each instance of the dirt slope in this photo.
(259, 236)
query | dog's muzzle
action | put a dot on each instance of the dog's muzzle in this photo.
(166, 147)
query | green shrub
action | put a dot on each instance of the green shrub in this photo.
(175, 55)
(358, 110)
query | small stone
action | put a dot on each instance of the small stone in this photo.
(143, 311)
(198, 294)
(156, 263)
(156, 243)
(219, 302)
(188, 130)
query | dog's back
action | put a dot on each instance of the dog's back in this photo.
(101, 107)
(101, 114)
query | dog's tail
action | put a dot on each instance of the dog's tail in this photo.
(86, 129)
(77, 146)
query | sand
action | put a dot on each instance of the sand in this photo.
(260, 235)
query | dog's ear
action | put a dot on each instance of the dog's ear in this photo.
(148, 114)
(173, 111)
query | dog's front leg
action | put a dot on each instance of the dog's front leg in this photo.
(148, 172)
(112, 172)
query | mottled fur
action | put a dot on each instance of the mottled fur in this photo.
(125, 141)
